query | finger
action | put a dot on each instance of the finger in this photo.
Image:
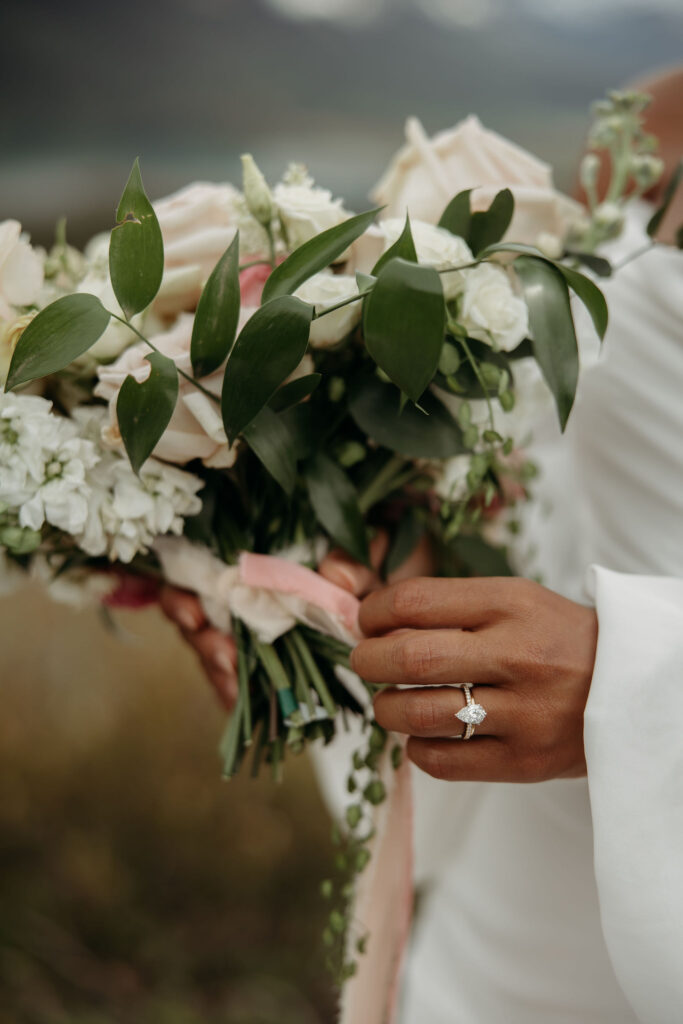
(224, 685)
(427, 603)
(429, 656)
(485, 759)
(359, 579)
(431, 712)
(182, 608)
(420, 562)
(218, 651)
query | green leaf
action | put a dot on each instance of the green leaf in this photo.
(582, 286)
(404, 324)
(144, 409)
(457, 216)
(403, 247)
(60, 333)
(552, 328)
(315, 255)
(598, 264)
(294, 392)
(432, 434)
(270, 347)
(658, 216)
(364, 281)
(335, 503)
(136, 248)
(218, 312)
(590, 295)
(408, 535)
(268, 437)
(489, 226)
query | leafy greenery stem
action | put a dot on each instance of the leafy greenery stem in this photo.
(382, 484)
(477, 372)
(363, 294)
(188, 378)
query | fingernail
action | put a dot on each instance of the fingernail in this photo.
(224, 661)
(347, 578)
(188, 619)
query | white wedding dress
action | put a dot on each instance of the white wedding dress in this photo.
(562, 902)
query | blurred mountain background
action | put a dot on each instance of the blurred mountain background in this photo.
(135, 886)
(190, 84)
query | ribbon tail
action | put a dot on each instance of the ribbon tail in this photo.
(383, 907)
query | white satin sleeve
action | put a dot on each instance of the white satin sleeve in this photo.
(634, 752)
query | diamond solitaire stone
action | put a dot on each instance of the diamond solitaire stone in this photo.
(472, 714)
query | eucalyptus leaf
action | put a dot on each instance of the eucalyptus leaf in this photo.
(488, 226)
(403, 247)
(552, 328)
(404, 322)
(136, 248)
(315, 255)
(294, 392)
(270, 440)
(432, 434)
(217, 315)
(335, 503)
(60, 333)
(270, 346)
(655, 221)
(457, 216)
(144, 409)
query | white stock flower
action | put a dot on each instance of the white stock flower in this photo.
(490, 309)
(127, 512)
(21, 270)
(305, 211)
(43, 465)
(435, 247)
(327, 289)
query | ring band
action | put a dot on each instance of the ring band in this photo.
(472, 714)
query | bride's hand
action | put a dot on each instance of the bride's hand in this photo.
(339, 568)
(528, 653)
(216, 651)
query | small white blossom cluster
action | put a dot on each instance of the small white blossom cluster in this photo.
(53, 473)
(43, 465)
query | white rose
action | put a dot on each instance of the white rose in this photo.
(21, 270)
(435, 247)
(196, 428)
(490, 309)
(198, 223)
(305, 211)
(10, 332)
(425, 175)
(327, 289)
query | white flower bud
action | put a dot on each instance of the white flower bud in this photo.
(589, 170)
(256, 191)
(609, 216)
(646, 169)
(550, 245)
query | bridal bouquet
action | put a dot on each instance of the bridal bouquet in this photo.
(231, 382)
